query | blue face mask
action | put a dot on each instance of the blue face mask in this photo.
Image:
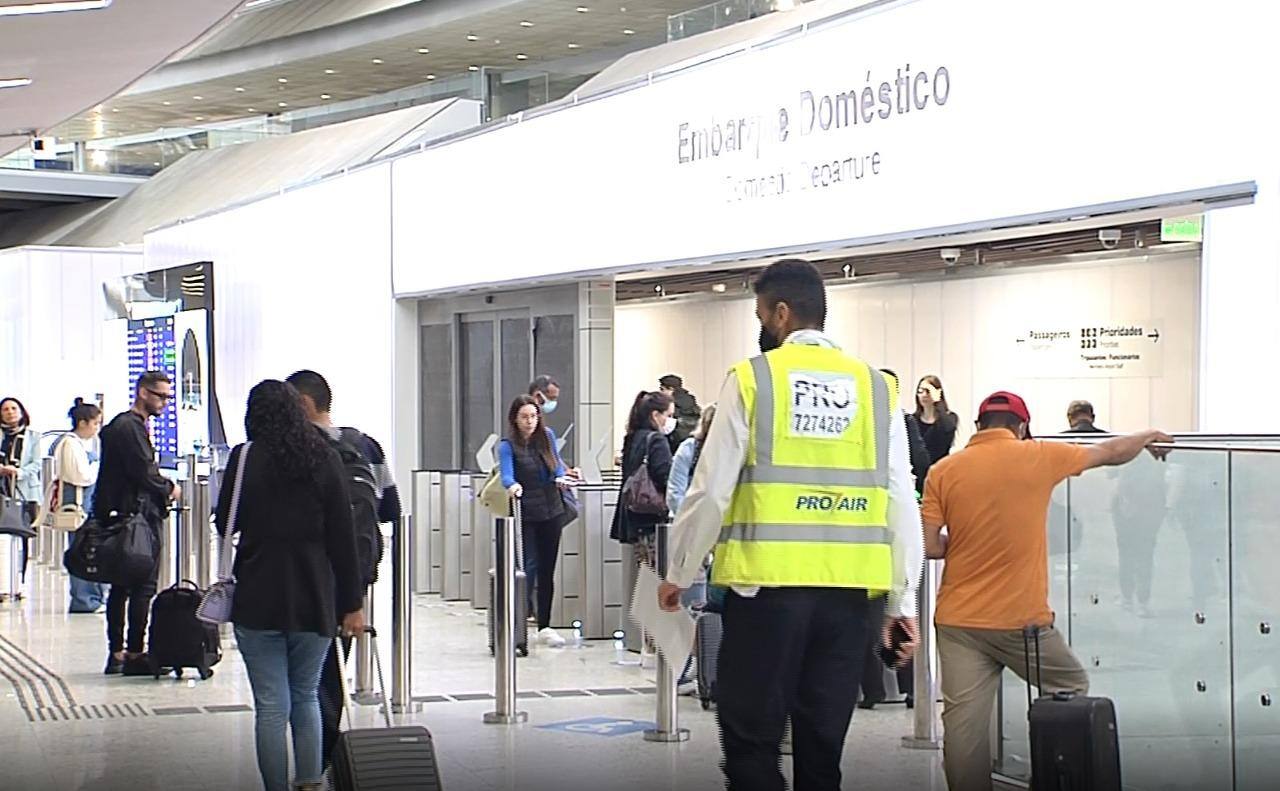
(549, 406)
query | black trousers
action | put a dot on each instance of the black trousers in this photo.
(789, 652)
(135, 600)
(544, 537)
(331, 700)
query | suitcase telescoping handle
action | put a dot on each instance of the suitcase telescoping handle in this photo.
(1031, 634)
(342, 677)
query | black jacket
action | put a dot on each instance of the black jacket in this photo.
(920, 461)
(688, 413)
(129, 473)
(628, 525)
(296, 567)
(939, 436)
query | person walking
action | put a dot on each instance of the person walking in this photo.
(533, 473)
(937, 422)
(129, 482)
(297, 575)
(804, 488)
(993, 498)
(374, 503)
(76, 484)
(19, 480)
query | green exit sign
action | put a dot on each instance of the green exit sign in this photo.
(1182, 229)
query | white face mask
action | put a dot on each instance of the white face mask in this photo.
(668, 425)
(549, 406)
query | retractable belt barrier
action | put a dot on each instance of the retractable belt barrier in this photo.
(925, 731)
(507, 535)
(668, 716)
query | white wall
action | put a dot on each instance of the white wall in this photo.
(964, 330)
(54, 341)
(301, 280)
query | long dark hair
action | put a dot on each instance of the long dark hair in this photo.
(940, 405)
(646, 404)
(539, 440)
(274, 421)
(24, 417)
(82, 412)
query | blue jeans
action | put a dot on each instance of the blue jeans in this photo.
(284, 672)
(86, 596)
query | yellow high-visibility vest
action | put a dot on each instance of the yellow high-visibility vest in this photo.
(812, 502)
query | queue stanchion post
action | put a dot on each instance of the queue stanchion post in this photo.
(202, 535)
(926, 731)
(402, 701)
(507, 535)
(362, 646)
(668, 715)
(44, 548)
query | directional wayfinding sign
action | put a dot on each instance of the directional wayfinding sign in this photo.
(1099, 350)
(600, 726)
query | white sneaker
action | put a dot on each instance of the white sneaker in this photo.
(551, 638)
(648, 659)
(688, 689)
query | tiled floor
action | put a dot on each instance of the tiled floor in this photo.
(138, 734)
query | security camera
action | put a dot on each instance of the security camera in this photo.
(950, 255)
(1109, 238)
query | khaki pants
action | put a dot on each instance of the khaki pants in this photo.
(971, 663)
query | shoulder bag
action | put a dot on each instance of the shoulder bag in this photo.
(13, 515)
(215, 606)
(640, 495)
(493, 495)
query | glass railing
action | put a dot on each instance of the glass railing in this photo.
(722, 14)
(1162, 574)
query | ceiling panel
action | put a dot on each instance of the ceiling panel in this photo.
(558, 31)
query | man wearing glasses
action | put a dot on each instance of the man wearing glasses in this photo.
(128, 480)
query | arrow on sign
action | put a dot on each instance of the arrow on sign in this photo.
(1154, 336)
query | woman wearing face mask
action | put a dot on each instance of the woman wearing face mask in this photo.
(937, 421)
(652, 420)
(77, 477)
(19, 480)
(533, 472)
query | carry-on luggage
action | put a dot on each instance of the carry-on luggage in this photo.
(390, 758)
(522, 594)
(706, 651)
(1074, 742)
(178, 639)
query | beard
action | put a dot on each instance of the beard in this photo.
(768, 341)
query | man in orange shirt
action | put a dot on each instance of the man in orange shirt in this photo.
(993, 499)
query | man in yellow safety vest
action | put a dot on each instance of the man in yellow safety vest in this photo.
(805, 490)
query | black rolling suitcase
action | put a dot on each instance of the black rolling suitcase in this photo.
(1074, 742)
(706, 652)
(177, 639)
(392, 758)
(522, 595)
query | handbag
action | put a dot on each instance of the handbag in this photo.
(215, 605)
(13, 515)
(493, 495)
(640, 495)
(121, 551)
(59, 516)
(569, 498)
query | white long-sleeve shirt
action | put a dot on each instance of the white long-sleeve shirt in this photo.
(724, 453)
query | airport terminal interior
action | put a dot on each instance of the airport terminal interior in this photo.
(443, 205)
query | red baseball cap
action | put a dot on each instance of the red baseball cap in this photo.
(1004, 401)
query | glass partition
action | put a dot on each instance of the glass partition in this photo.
(1159, 576)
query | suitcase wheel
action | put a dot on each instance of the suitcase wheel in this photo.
(524, 651)
(177, 672)
(706, 705)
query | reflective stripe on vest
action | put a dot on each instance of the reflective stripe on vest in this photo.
(811, 506)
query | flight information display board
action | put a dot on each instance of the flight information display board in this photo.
(152, 347)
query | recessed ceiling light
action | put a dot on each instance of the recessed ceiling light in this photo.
(623, 9)
(424, 51)
(628, 32)
(325, 96)
(53, 8)
(15, 82)
(199, 117)
(572, 45)
(282, 104)
(166, 104)
(521, 56)
(251, 110)
(239, 89)
(98, 157)
(473, 68)
(497, 41)
(282, 80)
(583, 9)
(431, 76)
(156, 164)
(377, 61)
(115, 109)
(472, 37)
(330, 71)
(198, 98)
(526, 23)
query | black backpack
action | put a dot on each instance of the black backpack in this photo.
(362, 489)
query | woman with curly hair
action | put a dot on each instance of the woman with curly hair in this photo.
(296, 574)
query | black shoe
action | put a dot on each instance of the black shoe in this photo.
(138, 665)
(867, 703)
(114, 666)
(911, 701)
